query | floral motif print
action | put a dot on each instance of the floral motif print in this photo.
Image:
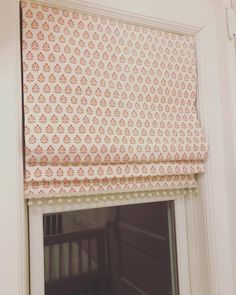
(108, 105)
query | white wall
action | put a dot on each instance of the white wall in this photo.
(11, 237)
(190, 12)
(227, 58)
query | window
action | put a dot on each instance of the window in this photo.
(119, 250)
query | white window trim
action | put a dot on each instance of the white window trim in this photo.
(36, 236)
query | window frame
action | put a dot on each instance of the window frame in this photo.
(36, 213)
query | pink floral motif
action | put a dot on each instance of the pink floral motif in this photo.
(108, 105)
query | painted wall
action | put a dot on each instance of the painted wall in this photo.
(11, 213)
(13, 258)
(227, 60)
(190, 12)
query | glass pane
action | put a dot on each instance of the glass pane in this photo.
(125, 250)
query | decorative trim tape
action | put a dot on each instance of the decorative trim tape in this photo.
(114, 199)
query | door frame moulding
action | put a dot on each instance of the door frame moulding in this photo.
(208, 207)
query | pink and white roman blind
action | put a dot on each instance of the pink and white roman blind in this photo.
(109, 106)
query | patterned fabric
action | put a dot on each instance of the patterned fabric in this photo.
(114, 185)
(108, 105)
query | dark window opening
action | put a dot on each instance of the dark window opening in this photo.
(125, 250)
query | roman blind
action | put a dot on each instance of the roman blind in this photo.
(109, 105)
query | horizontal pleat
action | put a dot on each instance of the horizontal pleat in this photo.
(35, 172)
(76, 188)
